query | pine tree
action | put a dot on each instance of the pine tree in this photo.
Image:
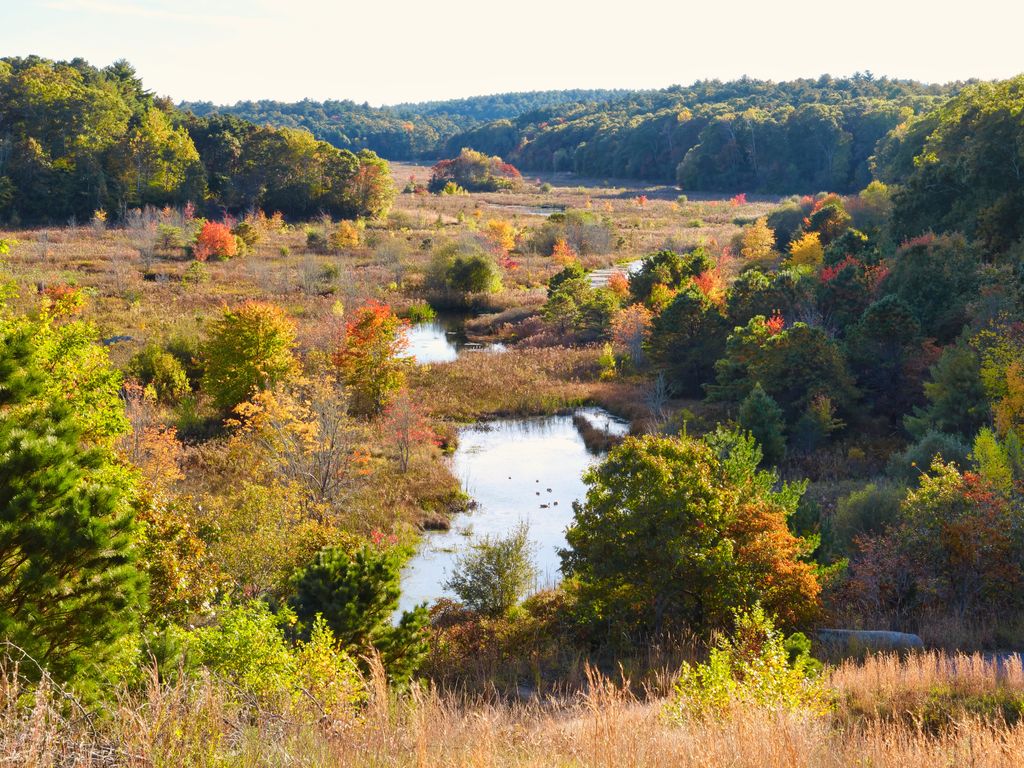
(761, 416)
(357, 594)
(69, 588)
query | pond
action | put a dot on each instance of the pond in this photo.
(527, 470)
(442, 340)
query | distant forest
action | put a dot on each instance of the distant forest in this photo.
(745, 135)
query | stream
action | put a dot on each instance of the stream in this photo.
(516, 470)
(442, 340)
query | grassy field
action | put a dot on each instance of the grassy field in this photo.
(921, 712)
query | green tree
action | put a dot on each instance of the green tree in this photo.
(794, 365)
(493, 577)
(70, 586)
(357, 593)
(937, 277)
(881, 347)
(675, 533)
(247, 349)
(761, 416)
(686, 338)
(955, 393)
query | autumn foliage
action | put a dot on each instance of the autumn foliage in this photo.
(214, 240)
(369, 359)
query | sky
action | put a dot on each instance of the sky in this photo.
(392, 51)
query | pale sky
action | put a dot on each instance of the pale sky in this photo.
(408, 50)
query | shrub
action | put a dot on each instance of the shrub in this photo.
(909, 464)
(169, 237)
(496, 574)
(755, 666)
(346, 235)
(214, 240)
(161, 370)
(247, 646)
(248, 232)
(247, 349)
(463, 269)
(864, 512)
(420, 312)
(195, 274)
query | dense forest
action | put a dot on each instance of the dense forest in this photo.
(794, 428)
(402, 131)
(75, 139)
(740, 136)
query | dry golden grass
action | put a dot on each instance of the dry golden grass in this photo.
(520, 382)
(203, 724)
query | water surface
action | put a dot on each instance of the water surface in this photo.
(442, 340)
(516, 470)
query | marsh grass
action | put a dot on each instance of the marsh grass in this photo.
(203, 722)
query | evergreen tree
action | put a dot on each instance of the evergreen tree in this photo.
(761, 416)
(357, 594)
(69, 587)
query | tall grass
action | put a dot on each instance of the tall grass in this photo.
(206, 723)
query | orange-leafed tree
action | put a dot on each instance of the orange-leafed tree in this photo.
(369, 359)
(631, 328)
(215, 240)
(618, 283)
(563, 253)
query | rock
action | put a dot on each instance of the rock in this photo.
(858, 641)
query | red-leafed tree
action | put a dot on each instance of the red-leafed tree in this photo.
(369, 359)
(407, 426)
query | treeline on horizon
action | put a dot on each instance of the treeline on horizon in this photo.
(745, 135)
(75, 139)
(403, 131)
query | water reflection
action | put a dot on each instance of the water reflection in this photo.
(443, 340)
(517, 470)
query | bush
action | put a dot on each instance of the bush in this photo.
(754, 666)
(462, 269)
(346, 235)
(420, 312)
(496, 574)
(195, 274)
(247, 349)
(247, 646)
(162, 371)
(864, 512)
(214, 240)
(915, 460)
